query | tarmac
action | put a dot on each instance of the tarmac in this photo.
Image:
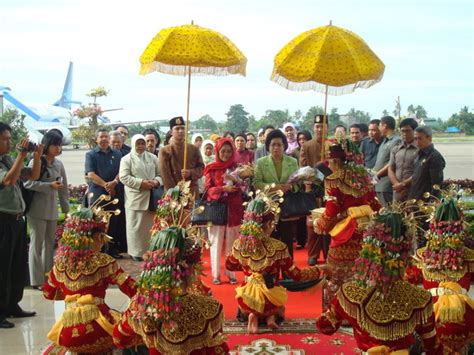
(459, 161)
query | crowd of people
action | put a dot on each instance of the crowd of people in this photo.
(370, 167)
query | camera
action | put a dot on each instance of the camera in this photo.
(31, 147)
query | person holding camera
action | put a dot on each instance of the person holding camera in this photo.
(13, 247)
(42, 214)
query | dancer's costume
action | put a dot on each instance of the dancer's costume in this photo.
(350, 203)
(447, 265)
(167, 314)
(383, 310)
(176, 204)
(263, 259)
(81, 276)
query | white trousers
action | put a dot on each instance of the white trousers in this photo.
(139, 224)
(41, 253)
(217, 235)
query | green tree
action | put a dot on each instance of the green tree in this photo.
(398, 108)
(464, 120)
(237, 119)
(91, 111)
(297, 117)
(277, 118)
(418, 110)
(359, 116)
(334, 119)
(205, 122)
(15, 119)
(385, 113)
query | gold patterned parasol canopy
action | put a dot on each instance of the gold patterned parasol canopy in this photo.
(327, 59)
(178, 50)
(190, 49)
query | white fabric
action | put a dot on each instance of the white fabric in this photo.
(41, 252)
(217, 235)
(139, 224)
(133, 170)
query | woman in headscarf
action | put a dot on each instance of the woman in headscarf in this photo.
(139, 172)
(207, 153)
(290, 132)
(219, 185)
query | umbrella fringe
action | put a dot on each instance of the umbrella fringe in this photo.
(318, 87)
(183, 69)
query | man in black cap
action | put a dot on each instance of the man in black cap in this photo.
(171, 158)
(310, 155)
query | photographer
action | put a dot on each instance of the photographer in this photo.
(42, 214)
(13, 247)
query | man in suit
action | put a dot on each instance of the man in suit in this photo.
(171, 159)
(311, 151)
(310, 156)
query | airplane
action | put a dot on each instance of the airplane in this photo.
(42, 118)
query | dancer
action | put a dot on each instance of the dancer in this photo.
(80, 276)
(163, 315)
(446, 265)
(350, 203)
(384, 310)
(262, 259)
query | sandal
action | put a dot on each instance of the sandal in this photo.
(232, 281)
(216, 282)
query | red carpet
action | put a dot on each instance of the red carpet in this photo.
(299, 305)
(292, 344)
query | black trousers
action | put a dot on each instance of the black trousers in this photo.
(13, 262)
(285, 231)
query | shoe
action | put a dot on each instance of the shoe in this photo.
(17, 312)
(4, 324)
(232, 281)
(116, 255)
(137, 258)
(216, 282)
(39, 288)
(312, 261)
(299, 247)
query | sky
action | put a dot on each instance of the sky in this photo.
(427, 48)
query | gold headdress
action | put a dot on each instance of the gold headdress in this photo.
(82, 225)
(445, 257)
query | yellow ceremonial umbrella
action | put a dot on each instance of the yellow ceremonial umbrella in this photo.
(190, 49)
(327, 59)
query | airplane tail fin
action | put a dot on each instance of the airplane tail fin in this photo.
(66, 97)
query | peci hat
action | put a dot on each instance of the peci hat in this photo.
(320, 119)
(176, 121)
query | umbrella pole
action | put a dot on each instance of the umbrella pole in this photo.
(186, 127)
(324, 123)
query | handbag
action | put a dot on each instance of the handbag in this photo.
(156, 194)
(214, 212)
(298, 204)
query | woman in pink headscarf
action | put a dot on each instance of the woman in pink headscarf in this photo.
(219, 185)
(290, 132)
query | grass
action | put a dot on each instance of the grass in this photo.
(446, 138)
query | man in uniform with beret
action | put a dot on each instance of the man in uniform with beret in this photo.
(171, 159)
(310, 155)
